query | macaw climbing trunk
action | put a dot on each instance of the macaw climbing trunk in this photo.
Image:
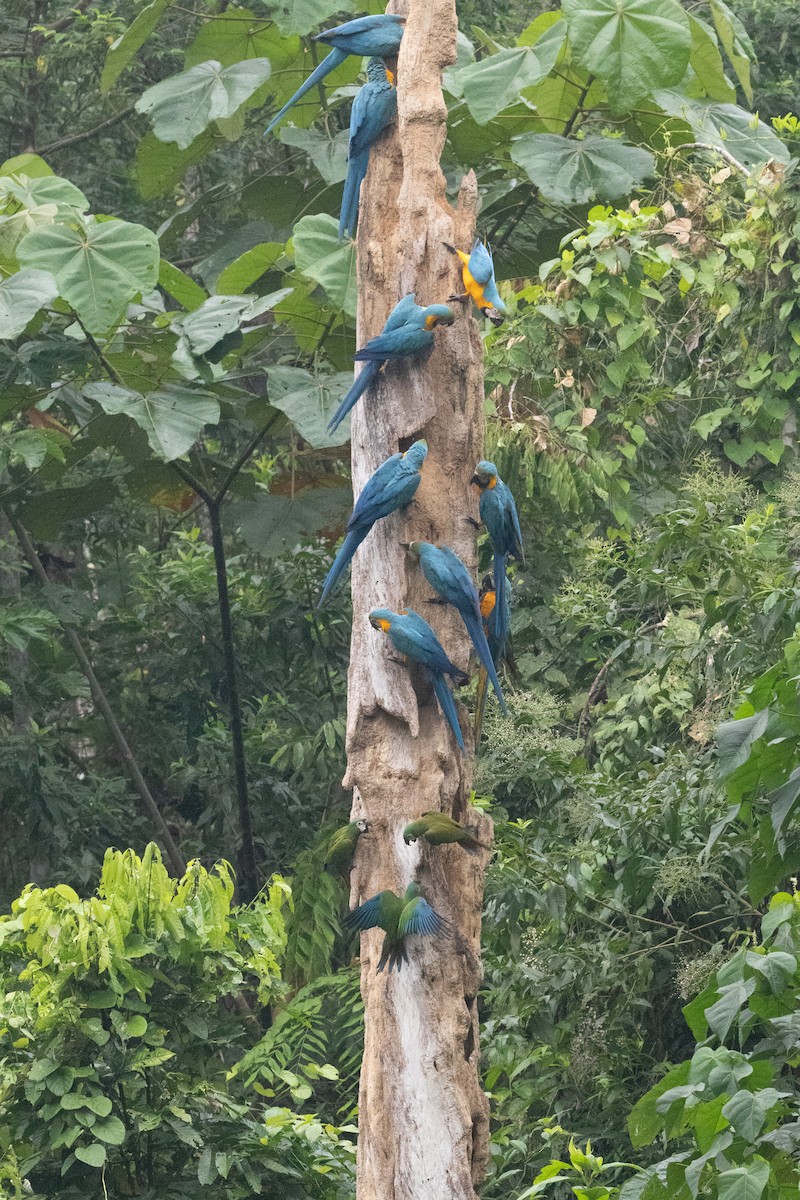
(423, 1117)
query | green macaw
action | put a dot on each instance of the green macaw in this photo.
(397, 916)
(437, 829)
(342, 847)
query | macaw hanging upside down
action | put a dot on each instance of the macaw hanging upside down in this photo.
(477, 274)
(364, 37)
(374, 109)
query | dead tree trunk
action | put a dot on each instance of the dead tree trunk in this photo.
(423, 1124)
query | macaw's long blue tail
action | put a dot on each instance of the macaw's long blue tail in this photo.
(346, 551)
(474, 626)
(369, 373)
(501, 597)
(448, 706)
(356, 170)
(328, 64)
(480, 702)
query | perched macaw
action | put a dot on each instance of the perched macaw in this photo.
(499, 515)
(437, 829)
(374, 108)
(408, 331)
(397, 916)
(477, 274)
(365, 37)
(499, 646)
(342, 847)
(391, 487)
(448, 576)
(413, 636)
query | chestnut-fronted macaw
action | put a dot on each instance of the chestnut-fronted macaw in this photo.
(342, 847)
(477, 275)
(499, 515)
(408, 332)
(365, 37)
(413, 636)
(437, 829)
(392, 487)
(397, 916)
(450, 578)
(374, 109)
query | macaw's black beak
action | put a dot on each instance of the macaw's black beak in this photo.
(494, 316)
(476, 479)
(405, 545)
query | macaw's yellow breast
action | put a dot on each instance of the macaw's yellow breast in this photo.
(492, 482)
(488, 601)
(472, 287)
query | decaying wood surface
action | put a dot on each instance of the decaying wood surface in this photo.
(423, 1124)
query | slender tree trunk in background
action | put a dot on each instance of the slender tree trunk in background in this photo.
(423, 1124)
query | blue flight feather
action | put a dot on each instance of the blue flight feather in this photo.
(447, 705)
(422, 919)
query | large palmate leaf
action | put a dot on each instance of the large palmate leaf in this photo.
(301, 16)
(218, 316)
(319, 254)
(182, 106)
(726, 126)
(99, 266)
(274, 525)
(172, 417)
(709, 70)
(634, 46)
(121, 51)
(492, 84)
(236, 36)
(574, 172)
(36, 191)
(309, 401)
(329, 155)
(21, 297)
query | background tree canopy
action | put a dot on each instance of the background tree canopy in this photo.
(176, 328)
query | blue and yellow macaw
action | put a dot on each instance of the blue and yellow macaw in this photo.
(408, 331)
(397, 916)
(477, 274)
(450, 578)
(365, 37)
(499, 644)
(413, 636)
(499, 515)
(374, 108)
(391, 487)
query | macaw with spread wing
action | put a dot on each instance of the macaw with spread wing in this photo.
(408, 332)
(413, 636)
(477, 274)
(364, 37)
(397, 916)
(499, 515)
(391, 487)
(450, 578)
(374, 109)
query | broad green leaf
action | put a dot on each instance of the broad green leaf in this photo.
(99, 266)
(732, 999)
(236, 36)
(644, 1120)
(634, 46)
(46, 513)
(574, 172)
(35, 191)
(21, 297)
(98, 1104)
(744, 1183)
(243, 272)
(121, 52)
(709, 70)
(735, 43)
(319, 254)
(160, 165)
(301, 16)
(329, 155)
(735, 740)
(184, 105)
(172, 417)
(782, 800)
(109, 1129)
(492, 84)
(726, 126)
(180, 286)
(94, 1155)
(221, 315)
(28, 164)
(309, 401)
(777, 967)
(274, 525)
(747, 1111)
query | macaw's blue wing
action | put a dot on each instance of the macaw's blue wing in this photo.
(379, 35)
(373, 109)
(366, 916)
(367, 376)
(390, 488)
(419, 917)
(396, 343)
(480, 265)
(448, 706)
(352, 541)
(412, 635)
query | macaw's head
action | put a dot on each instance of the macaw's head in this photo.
(438, 314)
(485, 476)
(417, 453)
(381, 619)
(418, 548)
(377, 71)
(362, 826)
(493, 314)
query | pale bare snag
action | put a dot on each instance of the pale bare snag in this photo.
(423, 1124)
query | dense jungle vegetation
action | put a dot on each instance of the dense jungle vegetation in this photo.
(171, 1025)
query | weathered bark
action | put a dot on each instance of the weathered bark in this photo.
(423, 1123)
